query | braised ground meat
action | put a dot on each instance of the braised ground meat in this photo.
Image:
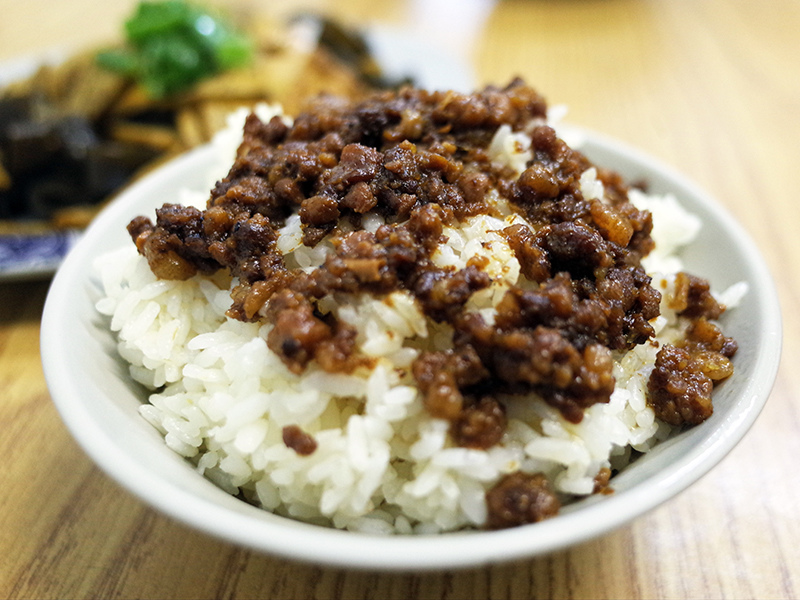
(421, 161)
(679, 390)
(684, 376)
(480, 425)
(442, 375)
(601, 481)
(520, 498)
(298, 440)
(703, 335)
(693, 298)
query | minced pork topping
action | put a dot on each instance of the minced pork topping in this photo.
(421, 161)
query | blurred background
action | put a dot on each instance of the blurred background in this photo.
(676, 78)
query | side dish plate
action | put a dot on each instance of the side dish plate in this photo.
(37, 255)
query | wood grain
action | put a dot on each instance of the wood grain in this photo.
(711, 87)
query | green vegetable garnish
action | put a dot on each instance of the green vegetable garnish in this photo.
(172, 45)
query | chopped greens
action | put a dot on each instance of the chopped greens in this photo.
(173, 44)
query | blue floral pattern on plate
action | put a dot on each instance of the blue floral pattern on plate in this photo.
(24, 256)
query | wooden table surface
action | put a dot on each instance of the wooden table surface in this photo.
(711, 87)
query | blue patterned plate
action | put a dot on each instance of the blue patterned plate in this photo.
(26, 254)
(34, 255)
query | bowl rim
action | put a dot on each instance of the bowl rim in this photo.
(234, 520)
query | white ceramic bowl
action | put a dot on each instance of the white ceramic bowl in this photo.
(99, 402)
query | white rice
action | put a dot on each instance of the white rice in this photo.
(383, 465)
